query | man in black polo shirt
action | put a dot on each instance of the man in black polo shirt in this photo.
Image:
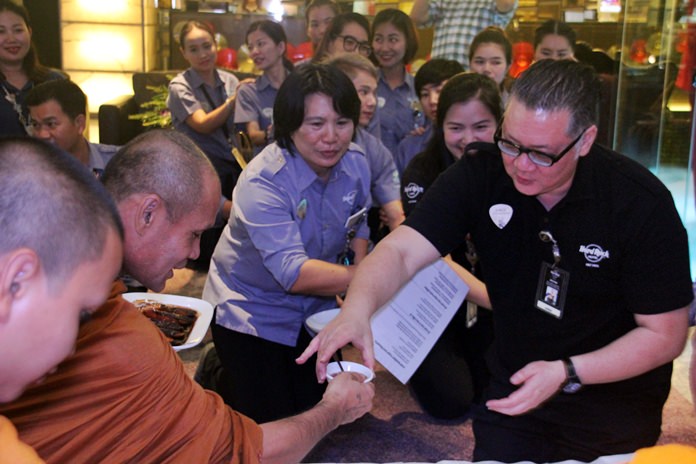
(587, 267)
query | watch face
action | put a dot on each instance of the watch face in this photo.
(572, 387)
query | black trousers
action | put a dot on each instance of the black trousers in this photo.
(454, 374)
(261, 379)
(583, 426)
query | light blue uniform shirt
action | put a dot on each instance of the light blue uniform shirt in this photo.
(399, 111)
(410, 147)
(187, 95)
(282, 215)
(384, 180)
(99, 155)
(255, 102)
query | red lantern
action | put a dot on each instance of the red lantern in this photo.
(227, 58)
(300, 52)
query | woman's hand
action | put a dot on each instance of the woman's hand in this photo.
(338, 333)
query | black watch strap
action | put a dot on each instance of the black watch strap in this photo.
(572, 384)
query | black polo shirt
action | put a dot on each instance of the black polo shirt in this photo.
(620, 237)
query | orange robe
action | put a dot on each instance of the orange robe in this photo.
(124, 397)
(13, 451)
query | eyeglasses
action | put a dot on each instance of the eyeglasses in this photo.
(351, 44)
(537, 157)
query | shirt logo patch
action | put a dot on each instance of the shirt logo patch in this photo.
(302, 209)
(267, 113)
(593, 254)
(350, 197)
(412, 190)
(500, 214)
(380, 102)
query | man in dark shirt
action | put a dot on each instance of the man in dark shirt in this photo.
(587, 267)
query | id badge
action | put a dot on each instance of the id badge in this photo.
(355, 219)
(471, 314)
(552, 290)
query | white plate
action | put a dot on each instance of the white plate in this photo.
(205, 313)
(317, 321)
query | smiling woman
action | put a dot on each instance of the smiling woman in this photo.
(20, 69)
(298, 208)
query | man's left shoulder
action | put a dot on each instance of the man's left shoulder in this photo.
(621, 169)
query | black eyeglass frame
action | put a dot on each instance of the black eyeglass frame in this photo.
(532, 153)
(362, 47)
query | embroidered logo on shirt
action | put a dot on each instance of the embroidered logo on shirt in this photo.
(412, 190)
(302, 209)
(500, 214)
(350, 197)
(593, 254)
(380, 102)
(267, 113)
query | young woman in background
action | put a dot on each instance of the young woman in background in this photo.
(267, 43)
(20, 69)
(201, 101)
(490, 54)
(395, 43)
(468, 111)
(384, 184)
(348, 33)
(554, 40)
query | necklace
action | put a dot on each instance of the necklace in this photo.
(12, 98)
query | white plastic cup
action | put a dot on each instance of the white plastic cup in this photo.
(333, 369)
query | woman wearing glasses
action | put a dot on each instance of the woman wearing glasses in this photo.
(395, 43)
(267, 42)
(298, 211)
(348, 33)
(468, 111)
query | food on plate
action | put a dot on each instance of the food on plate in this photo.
(175, 322)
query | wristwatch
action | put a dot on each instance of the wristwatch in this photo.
(572, 383)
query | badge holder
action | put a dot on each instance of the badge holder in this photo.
(552, 288)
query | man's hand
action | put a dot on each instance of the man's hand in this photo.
(337, 334)
(539, 381)
(288, 440)
(349, 396)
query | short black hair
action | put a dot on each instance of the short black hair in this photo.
(308, 79)
(68, 94)
(556, 28)
(275, 32)
(556, 85)
(335, 29)
(435, 72)
(53, 205)
(461, 88)
(403, 23)
(492, 34)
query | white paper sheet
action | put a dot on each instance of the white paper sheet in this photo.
(407, 327)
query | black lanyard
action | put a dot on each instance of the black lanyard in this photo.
(212, 105)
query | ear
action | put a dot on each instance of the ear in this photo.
(587, 140)
(149, 212)
(19, 271)
(81, 123)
